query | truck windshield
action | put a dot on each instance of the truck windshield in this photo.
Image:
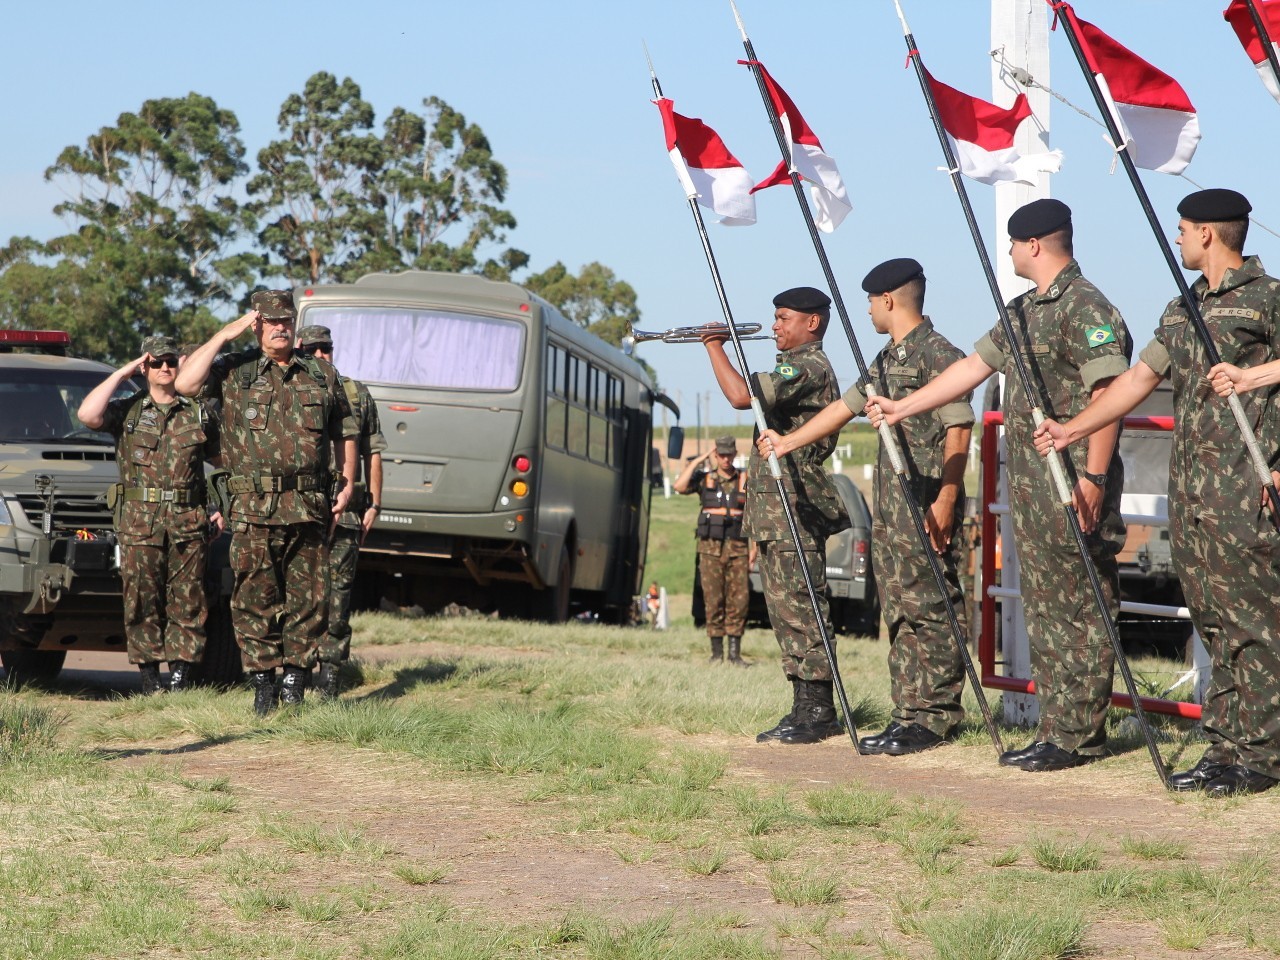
(40, 406)
(424, 347)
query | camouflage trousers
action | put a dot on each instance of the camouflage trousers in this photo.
(344, 550)
(726, 585)
(790, 611)
(1072, 662)
(280, 604)
(1230, 573)
(926, 672)
(165, 607)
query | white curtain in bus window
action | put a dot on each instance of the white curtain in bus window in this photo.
(425, 348)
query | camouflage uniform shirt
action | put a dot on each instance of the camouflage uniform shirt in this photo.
(279, 424)
(369, 440)
(1225, 547)
(165, 450)
(799, 386)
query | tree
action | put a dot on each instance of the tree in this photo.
(313, 183)
(157, 219)
(595, 299)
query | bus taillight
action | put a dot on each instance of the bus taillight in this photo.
(519, 488)
(522, 464)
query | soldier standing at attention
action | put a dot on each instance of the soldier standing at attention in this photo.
(723, 554)
(354, 524)
(926, 672)
(1075, 343)
(1224, 543)
(798, 387)
(282, 412)
(162, 442)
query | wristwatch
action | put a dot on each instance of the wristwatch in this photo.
(376, 507)
(1097, 479)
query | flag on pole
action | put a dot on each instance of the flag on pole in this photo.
(1256, 47)
(830, 200)
(706, 168)
(981, 136)
(1154, 114)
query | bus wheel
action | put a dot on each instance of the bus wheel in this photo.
(552, 605)
(39, 667)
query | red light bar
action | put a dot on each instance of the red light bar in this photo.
(60, 337)
(401, 408)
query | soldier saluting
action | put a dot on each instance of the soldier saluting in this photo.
(162, 442)
(282, 412)
(723, 554)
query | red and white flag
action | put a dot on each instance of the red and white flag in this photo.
(981, 136)
(706, 168)
(1154, 114)
(1256, 47)
(830, 200)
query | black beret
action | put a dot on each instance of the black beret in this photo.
(892, 274)
(1214, 206)
(804, 299)
(1039, 218)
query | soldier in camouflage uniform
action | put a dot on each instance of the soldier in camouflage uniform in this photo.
(926, 672)
(281, 414)
(723, 553)
(1074, 343)
(354, 524)
(799, 386)
(162, 442)
(1224, 543)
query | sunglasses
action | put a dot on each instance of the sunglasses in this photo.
(312, 349)
(170, 362)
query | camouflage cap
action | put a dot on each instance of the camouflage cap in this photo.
(313, 335)
(274, 304)
(187, 349)
(160, 346)
(727, 445)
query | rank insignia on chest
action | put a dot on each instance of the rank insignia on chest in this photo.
(1097, 336)
(902, 353)
(148, 418)
(786, 371)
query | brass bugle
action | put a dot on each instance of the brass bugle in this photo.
(695, 334)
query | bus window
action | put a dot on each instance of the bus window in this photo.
(425, 347)
(599, 445)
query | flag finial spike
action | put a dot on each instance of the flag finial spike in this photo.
(738, 19)
(902, 19)
(653, 76)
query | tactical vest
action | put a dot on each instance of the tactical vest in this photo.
(721, 516)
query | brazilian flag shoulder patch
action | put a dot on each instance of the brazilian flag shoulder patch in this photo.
(1097, 336)
(786, 371)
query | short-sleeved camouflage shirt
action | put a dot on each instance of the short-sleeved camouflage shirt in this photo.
(162, 447)
(369, 440)
(800, 385)
(1210, 463)
(899, 370)
(279, 420)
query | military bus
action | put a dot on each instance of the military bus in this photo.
(516, 477)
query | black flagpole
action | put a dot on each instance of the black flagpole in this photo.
(887, 436)
(1188, 298)
(1056, 468)
(775, 469)
(1264, 37)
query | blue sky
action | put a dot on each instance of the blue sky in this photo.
(562, 90)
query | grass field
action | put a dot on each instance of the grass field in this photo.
(499, 789)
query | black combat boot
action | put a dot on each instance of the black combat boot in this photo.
(816, 717)
(735, 652)
(292, 685)
(327, 681)
(180, 674)
(717, 649)
(150, 678)
(788, 722)
(264, 691)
